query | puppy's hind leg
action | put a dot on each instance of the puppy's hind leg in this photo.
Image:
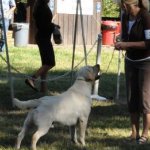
(39, 133)
(20, 137)
(24, 130)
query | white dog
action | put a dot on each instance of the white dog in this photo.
(70, 108)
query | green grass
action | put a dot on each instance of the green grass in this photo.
(108, 124)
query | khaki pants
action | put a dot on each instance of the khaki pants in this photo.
(138, 86)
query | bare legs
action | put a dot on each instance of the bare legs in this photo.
(41, 72)
(146, 124)
(135, 125)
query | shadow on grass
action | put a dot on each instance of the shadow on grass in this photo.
(114, 143)
(104, 115)
(110, 114)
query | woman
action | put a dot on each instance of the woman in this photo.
(43, 21)
(136, 43)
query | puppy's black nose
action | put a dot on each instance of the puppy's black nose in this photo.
(97, 77)
(98, 66)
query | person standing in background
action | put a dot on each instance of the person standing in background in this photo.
(43, 21)
(136, 43)
(8, 10)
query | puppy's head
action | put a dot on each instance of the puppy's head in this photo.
(89, 73)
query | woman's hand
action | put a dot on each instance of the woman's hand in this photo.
(140, 45)
(121, 45)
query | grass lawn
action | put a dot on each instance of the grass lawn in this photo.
(108, 124)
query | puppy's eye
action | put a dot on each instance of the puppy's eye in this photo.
(90, 69)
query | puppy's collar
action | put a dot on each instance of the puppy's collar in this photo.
(89, 80)
(86, 80)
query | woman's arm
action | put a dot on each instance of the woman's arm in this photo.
(125, 45)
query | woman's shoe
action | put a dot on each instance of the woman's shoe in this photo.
(131, 140)
(142, 140)
(30, 83)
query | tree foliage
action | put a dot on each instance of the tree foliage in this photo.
(110, 9)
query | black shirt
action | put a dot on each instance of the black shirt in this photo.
(43, 20)
(142, 23)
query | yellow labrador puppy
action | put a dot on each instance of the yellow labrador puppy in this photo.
(70, 108)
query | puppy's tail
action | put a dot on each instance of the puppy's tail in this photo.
(26, 104)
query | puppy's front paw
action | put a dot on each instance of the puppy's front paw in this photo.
(82, 141)
(75, 142)
(17, 147)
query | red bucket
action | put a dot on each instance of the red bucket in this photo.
(108, 37)
(109, 31)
